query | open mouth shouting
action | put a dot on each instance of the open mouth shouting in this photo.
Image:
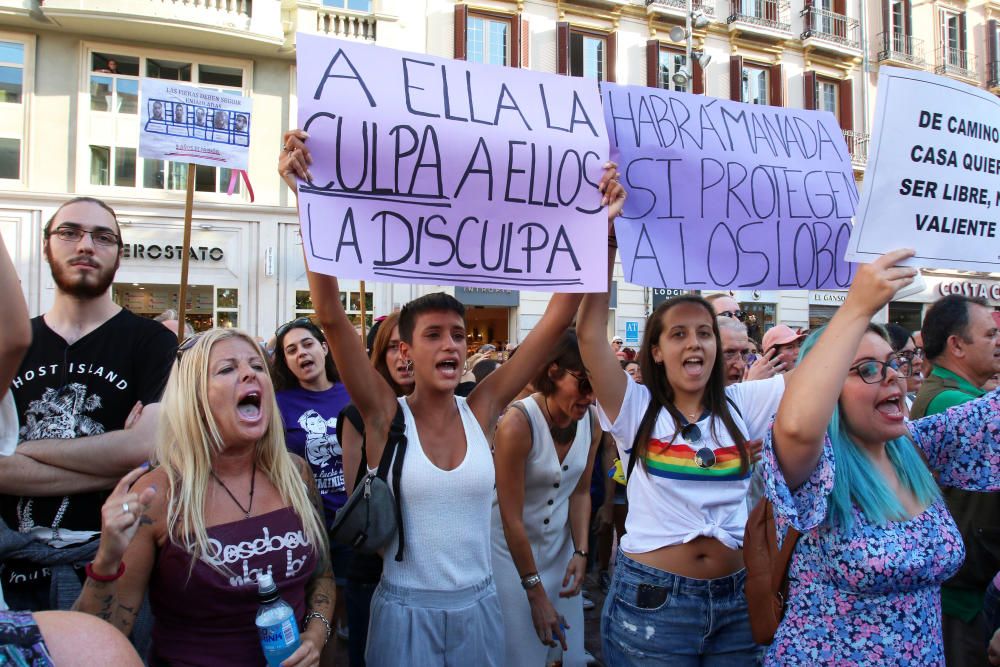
(449, 368)
(693, 365)
(891, 408)
(248, 406)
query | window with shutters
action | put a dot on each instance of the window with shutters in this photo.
(488, 39)
(15, 57)
(953, 57)
(755, 85)
(826, 96)
(587, 55)
(993, 51)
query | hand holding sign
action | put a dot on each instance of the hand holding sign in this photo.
(876, 284)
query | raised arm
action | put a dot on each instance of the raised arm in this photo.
(369, 391)
(491, 396)
(812, 392)
(15, 334)
(606, 374)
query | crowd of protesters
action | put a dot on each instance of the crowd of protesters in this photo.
(145, 485)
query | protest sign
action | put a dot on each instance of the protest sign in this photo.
(431, 170)
(931, 182)
(189, 124)
(729, 195)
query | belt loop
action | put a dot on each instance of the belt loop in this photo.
(676, 587)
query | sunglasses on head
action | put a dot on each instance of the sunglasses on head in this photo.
(187, 345)
(875, 372)
(582, 383)
(735, 314)
(297, 322)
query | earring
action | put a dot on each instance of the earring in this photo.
(409, 365)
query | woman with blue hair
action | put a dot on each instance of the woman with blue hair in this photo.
(845, 468)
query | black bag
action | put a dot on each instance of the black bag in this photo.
(372, 515)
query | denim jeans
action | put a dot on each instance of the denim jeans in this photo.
(653, 617)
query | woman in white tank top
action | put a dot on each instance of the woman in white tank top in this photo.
(545, 449)
(440, 624)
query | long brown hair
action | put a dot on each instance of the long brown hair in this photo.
(661, 392)
(379, 348)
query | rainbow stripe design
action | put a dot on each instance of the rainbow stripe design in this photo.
(677, 461)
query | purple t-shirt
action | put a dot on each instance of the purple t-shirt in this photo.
(310, 419)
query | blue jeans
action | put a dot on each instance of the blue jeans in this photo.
(653, 617)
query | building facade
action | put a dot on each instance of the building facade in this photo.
(70, 77)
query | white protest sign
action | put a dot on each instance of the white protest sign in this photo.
(184, 123)
(932, 180)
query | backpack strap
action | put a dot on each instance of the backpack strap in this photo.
(397, 440)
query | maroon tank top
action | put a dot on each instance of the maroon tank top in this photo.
(208, 619)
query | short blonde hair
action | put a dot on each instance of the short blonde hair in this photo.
(189, 440)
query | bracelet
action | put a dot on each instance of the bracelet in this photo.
(612, 241)
(104, 579)
(581, 553)
(315, 614)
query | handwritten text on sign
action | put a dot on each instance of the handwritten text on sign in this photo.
(932, 181)
(432, 170)
(729, 195)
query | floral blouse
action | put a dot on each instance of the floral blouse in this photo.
(871, 596)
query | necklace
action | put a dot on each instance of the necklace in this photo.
(253, 479)
(559, 434)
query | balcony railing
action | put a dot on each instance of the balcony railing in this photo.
(346, 23)
(857, 146)
(993, 74)
(956, 62)
(899, 48)
(705, 6)
(233, 7)
(831, 27)
(771, 14)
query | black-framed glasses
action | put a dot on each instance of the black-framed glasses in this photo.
(704, 457)
(735, 314)
(104, 237)
(875, 372)
(582, 383)
(187, 344)
(297, 322)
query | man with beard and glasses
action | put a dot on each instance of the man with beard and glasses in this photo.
(86, 396)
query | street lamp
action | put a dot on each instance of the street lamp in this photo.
(692, 20)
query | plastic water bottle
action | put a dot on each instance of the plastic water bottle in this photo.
(554, 658)
(279, 632)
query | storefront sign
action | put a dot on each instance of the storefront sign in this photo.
(990, 291)
(825, 298)
(661, 294)
(442, 171)
(488, 296)
(728, 195)
(157, 251)
(931, 181)
(631, 332)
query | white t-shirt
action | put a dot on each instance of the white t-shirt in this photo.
(672, 500)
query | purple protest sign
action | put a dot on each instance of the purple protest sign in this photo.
(431, 170)
(729, 195)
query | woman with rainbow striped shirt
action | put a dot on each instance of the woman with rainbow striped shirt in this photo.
(677, 592)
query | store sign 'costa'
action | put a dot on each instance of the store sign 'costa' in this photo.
(156, 251)
(965, 288)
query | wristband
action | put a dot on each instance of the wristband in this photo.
(581, 553)
(612, 241)
(104, 579)
(529, 581)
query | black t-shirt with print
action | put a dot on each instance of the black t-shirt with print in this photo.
(84, 389)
